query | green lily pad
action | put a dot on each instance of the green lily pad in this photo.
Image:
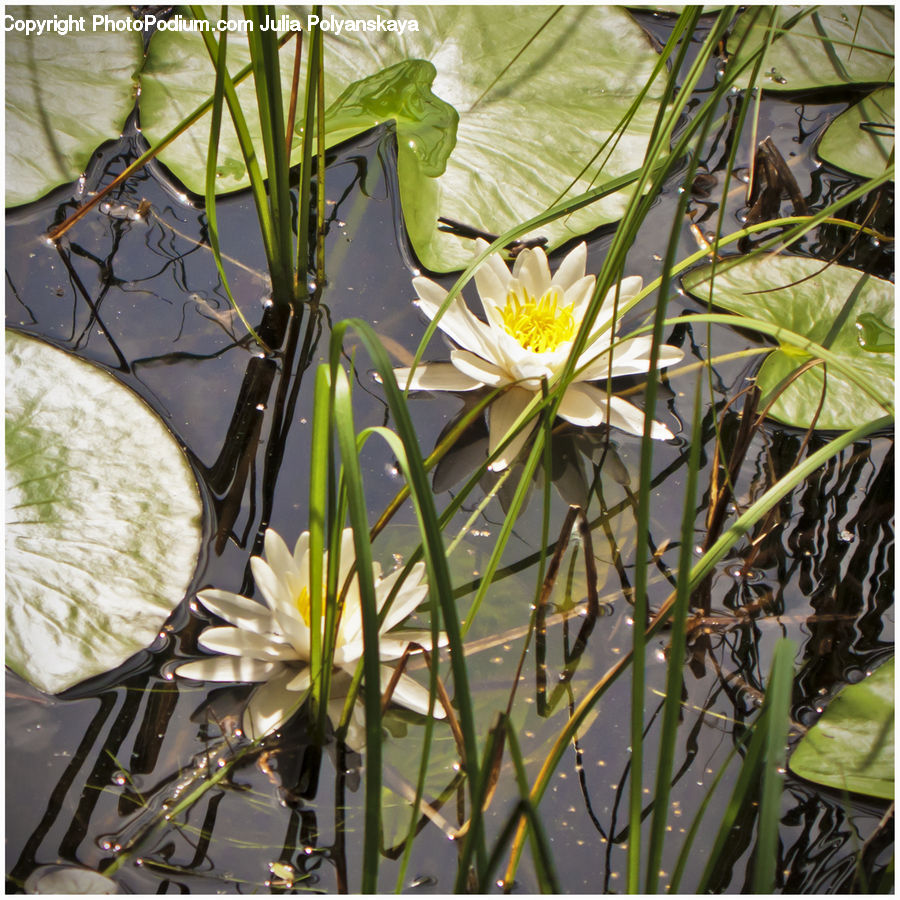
(528, 124)
(829, 306)
(103, 518)
(65, 95)
(861, 140)
(832, 45)
(852, 746)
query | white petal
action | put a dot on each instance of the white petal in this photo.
(478, 369)
(349, 652)
(460, 324)
(532, 269)
(491, 278)
(284, 607)
(628, 287)
(393, 645)
(622, 414)
(271, 705)
(348, 558)
(278, 556)
(583, 405)
(410, 694)
(301, 681)
(229, 668)
(270, 585)
(429, 290)
(632, 357)
(408, 598)
(435, 377)
(301, 548)
(502, 413)
(281, 561)
(572, 268)
(236, 642)
(580, 295)
(240, 611)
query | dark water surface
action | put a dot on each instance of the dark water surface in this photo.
(142, 298)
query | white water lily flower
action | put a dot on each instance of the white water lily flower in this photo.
(532, 321)
(271, 644)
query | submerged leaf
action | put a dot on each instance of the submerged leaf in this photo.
(65, 95)
(823, 304)
(831, 45)
(102, 518)
(537, 93)
(861, 140)
(852, 746)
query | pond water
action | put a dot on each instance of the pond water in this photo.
(87, 769)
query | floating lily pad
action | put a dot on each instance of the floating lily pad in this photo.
(851, 747)
(861, 140)
(829, 305)
(68, 880)
(65, 95)
(103, 518)
(832, 45)
(529, 124)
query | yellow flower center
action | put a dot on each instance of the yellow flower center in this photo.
(303, 602)
(538, 325)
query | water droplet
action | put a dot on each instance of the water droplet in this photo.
(846, 536)
(776, 76)
(119, 777)
(854, 675)
(376, 377)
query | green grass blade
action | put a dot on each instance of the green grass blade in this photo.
(352, 478)
(435, 558)
(778, 693)
(313, 68)
(267, 78)
(674, 675)
(248, 151)
(320, 478)
(772, 718)
(211, 158)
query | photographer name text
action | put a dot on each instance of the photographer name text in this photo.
(63, 25)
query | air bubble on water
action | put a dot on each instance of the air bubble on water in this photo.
(119, 777)
(846, 536)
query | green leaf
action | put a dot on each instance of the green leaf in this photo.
(833, 45)
(830, 306)
(537, 94)
(861, 140)
(852, 746)
(65, 95)
(426, 125)
(103, 518)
